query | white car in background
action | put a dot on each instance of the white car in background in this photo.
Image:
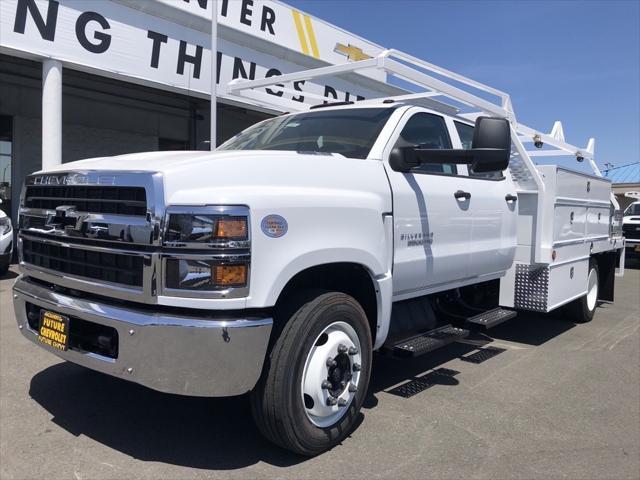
(6, 242)
(631, 228)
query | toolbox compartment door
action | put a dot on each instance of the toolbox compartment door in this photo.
(598, 221)
(569, 224)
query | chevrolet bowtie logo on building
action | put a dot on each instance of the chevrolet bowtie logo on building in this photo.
(352, 52)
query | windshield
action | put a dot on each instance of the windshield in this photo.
(350, 132)
(634, 209)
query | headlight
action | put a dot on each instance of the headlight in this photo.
(205, 274)
(5, 225)
(183, 228)
(207, 250)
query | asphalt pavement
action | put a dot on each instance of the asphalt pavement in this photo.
(537, 397)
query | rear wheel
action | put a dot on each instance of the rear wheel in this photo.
(316, 375)
(583, 309)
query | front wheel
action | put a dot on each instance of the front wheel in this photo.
(583, 309)
(316, 375)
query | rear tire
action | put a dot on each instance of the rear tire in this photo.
(583, 309)
(288, 404)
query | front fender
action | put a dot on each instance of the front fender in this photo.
(316, 258)
(366, 240)
(382, 283)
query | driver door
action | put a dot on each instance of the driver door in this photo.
(433, 219)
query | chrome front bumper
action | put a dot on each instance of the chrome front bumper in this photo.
(181, 354)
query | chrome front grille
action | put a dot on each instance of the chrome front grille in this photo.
(112, 267)
(94, 231)
(631, 231)
(88, 198)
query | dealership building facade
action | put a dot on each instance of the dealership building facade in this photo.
(81, 79)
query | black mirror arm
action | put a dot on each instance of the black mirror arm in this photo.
(459, 157)
(435, 155)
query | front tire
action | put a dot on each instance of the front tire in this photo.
(316, 375)
(583, 309)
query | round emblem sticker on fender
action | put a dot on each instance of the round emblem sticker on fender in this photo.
(274, 226)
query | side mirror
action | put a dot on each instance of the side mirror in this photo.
(403, 159)
(491, 144)
(490, 150)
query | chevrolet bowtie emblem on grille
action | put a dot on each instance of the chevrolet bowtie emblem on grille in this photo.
(66, 218)
(352, 52)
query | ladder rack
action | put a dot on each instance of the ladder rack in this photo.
(420, 73)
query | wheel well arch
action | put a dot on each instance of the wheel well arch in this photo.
(352, 279)
(607, 263)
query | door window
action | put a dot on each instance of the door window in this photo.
(427, 131)
(465, 132)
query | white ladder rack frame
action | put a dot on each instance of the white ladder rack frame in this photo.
(413, 70)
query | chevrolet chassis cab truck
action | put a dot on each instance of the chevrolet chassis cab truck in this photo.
(631, 229)
(279, 263)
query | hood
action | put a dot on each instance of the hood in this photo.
(177, 161)
(162, 162)
(248, 177)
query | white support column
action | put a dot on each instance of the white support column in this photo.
(51, 113)
(214, 74)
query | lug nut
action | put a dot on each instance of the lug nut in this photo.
(326, 385)
(331, 401)
(343, 384)
(353, 351)
(331, 362)
(342, 348)
(352, 388)
(342, 402)
(356, 367)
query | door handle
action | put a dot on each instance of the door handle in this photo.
(510, 197)
(460, 194)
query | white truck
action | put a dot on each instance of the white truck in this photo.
(6, 242)
(279, 263)
(631, 228)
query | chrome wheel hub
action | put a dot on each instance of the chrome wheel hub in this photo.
(331, 374)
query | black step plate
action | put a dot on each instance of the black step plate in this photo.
(491, 318)
(429, 341)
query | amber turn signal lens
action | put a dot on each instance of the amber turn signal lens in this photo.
(230, 275)
(232, 227)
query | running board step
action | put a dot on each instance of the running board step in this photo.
(491, 318)
(429, 341)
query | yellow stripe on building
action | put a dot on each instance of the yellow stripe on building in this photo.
(312, 36)
(303, 40)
